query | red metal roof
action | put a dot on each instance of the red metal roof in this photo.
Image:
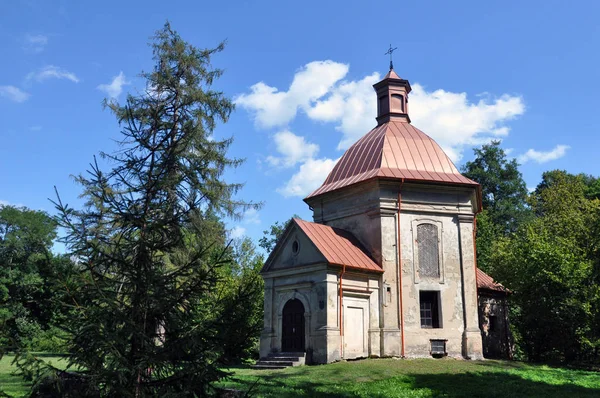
(395, 149)
(339, 247)
(484, 281)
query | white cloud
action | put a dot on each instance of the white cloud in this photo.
(320, 91)
(455, 122)
(237, 232)
(251, 216)
(52, 72)
(6, 203)
(309, 177)
(272, 108)
(115, 87)
(353, 105)
(450, 118)
(35, 43)
(542, 157)
(13, 93)
(293, 148)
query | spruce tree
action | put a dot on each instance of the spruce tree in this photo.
(146, 317)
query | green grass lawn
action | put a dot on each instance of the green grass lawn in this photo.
(418, 378)
(392, 378)
(15, 386)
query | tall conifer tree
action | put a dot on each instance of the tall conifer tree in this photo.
(146, 319)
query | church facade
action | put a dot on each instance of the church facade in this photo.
(388, 267)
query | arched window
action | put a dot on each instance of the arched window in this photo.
(428, 249)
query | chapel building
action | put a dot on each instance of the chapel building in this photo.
(388, 267)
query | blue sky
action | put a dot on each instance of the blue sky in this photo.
(300, 72)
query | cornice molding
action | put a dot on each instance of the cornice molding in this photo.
(465, 218)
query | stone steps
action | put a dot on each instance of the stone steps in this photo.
(281, 360)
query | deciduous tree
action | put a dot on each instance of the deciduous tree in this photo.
(549, 264)
(26, 263)
(504, 190)
(504, 198)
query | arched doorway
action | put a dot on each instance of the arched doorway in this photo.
(292, 328)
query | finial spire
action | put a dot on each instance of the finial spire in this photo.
(390, 51)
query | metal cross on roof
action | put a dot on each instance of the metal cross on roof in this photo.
(390, 51)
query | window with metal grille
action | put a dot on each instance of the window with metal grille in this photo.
(428, 248)
(438, 347)
(430, 314)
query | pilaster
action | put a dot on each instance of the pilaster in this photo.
(268, 332)
(472, 343)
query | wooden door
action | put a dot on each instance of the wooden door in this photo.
(292, 328)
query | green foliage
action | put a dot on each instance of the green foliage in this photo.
(504, 198)
(237, 297)
(487, 235)
(550, 266)
(548, 278)
(504, 190)
(592, 184)
(271, 236)
(26, 265)
(545, 247)
(51, 340)
(152, 313)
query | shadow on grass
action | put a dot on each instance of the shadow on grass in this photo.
(503, 364)
(495, 384)
(475, 384)
(237, 367)
(560, 369)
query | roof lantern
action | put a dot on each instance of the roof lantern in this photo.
(394, 149)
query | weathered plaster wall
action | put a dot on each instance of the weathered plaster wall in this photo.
(304, 275)
(360, 291)
(370, 211)
(307, 253)
(307, 284)
(350, 210)
(317, 287)
(359, 211)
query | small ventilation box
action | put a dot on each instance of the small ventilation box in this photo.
(438, 347)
